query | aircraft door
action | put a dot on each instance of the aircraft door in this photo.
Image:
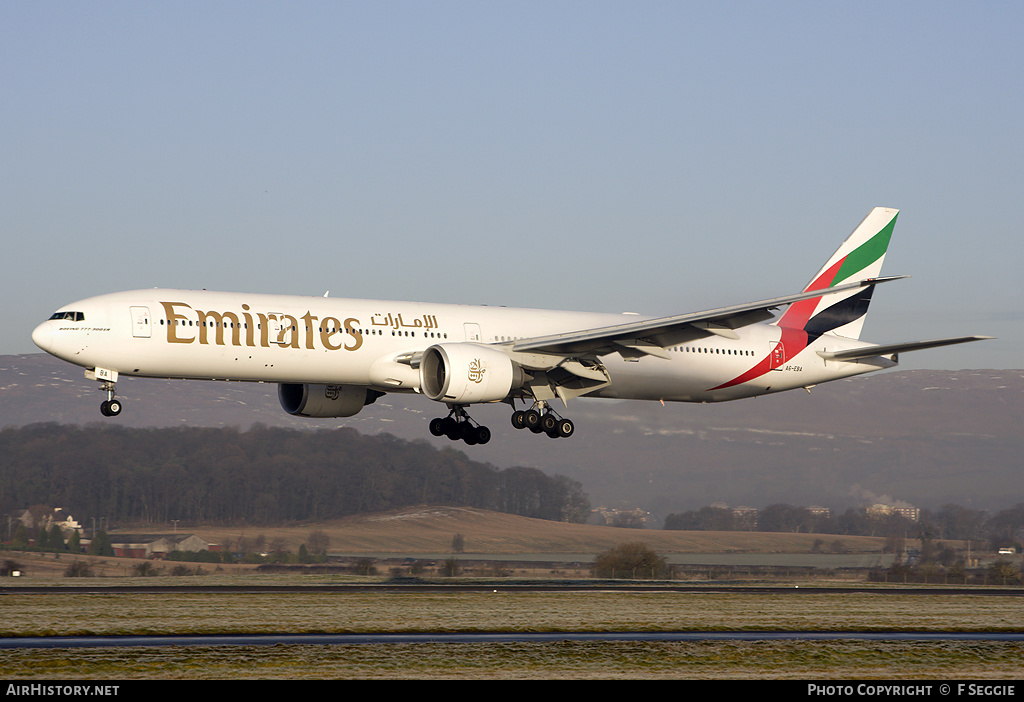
(473, 331)
(280, 333)
(778, 355)
(140, 323)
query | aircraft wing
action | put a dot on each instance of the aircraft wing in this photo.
(890, 349)
(652, 336)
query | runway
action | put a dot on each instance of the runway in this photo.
(588, 586)
(872, 630)
(350, 639)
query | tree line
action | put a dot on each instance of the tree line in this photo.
(949, 522)
(261, 476)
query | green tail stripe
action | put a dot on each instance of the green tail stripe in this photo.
(865, 254)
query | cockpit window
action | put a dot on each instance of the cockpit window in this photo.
(70, 316)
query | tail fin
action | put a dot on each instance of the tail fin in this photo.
(860, 257)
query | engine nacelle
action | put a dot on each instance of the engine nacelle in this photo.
(304, 400)
(464, 373)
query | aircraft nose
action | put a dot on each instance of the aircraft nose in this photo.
(42, 336)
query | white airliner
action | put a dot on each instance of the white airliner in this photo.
(331, 357)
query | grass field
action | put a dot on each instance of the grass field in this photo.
(418, 531)
(211, 613)
(430, 530)
(742, 660)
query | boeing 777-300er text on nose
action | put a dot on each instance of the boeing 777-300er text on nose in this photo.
(331, 356)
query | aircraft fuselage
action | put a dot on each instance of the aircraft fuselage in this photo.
(336, 341)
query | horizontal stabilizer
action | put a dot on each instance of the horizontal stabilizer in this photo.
(889, 349)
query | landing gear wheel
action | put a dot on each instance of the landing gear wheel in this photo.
(483, 435)
(519, 419)
(458, 425)
(110, 408)
(531, 419)
(468, 432)
(541, 419)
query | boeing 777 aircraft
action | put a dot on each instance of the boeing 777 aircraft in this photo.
(331, 357)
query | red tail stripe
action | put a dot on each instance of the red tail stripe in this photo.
(793, 341)
(799, 312)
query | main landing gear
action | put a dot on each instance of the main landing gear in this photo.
(111, 407)
(541, 419)
(459, 425)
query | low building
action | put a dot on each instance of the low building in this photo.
(745, 518)
(820, 512)
(155, 545)
(906, 511)
(44, 518)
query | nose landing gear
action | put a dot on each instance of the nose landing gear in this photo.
(111, 407)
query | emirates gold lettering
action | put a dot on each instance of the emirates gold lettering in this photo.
(218, 322)
(249, 331)
(226, 328)
(289, 334)
(357, 336)
(265, 320)
(172, 323)
(308, 318)
(330, 328)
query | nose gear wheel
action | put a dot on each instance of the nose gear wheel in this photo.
(111, 407)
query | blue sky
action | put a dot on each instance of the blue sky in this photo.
(658, 157)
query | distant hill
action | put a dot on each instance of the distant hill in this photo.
(429, 529)
(921, 437)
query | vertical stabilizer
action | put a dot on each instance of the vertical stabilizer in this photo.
(858, 258)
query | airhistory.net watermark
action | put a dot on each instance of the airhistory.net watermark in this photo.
(56, 690)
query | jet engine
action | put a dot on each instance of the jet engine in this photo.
(304, 400)
(463, 373)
